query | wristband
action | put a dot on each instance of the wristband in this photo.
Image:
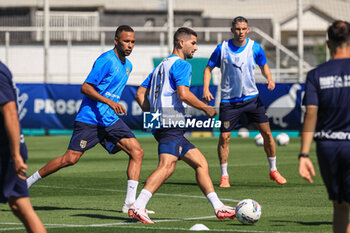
(303, 155)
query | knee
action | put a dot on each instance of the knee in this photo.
(224, 139)
(137, 154)
(15, 209)
(267, 135)
(70, 158)
(168, 169)
(203, 166)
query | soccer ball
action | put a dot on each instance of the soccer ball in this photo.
(248, 211)
(243, 133)
(282, 139)
(259, 140)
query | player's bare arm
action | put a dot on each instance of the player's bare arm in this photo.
(10, 114)
(189, 98)
(141, 98)
(306, 168)
(89, 90)
(207, 96)
(266, 72)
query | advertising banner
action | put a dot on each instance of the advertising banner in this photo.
(54, 106)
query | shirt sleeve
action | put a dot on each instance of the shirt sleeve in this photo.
(259, 54)
(215, 58)
(6, 89)
(181, 72)
(311, 96)
(99, 70)
(147, 82)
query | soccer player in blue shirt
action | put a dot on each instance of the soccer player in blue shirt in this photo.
(236, 59)
(327, 97)
(13, 154)
(97, 120)
(165, 91)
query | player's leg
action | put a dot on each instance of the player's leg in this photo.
(335, 170)
(133, 148)
(269, 142)
(256, 113)
(223, 153)
(22, 208)
(165, 168)
(198, 162)
(270, 150)
(85, 136)
(119, 137)
(67, 159)
(229, 116)
(341, 217)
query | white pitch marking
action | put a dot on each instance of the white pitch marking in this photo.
(123, 191)
(129, 225)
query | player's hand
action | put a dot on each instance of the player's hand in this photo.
(210, 111)
(306, 169)
(270, 84)
(207, 96)
(20, 167)
(118, 108)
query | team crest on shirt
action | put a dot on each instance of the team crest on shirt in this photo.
(180, 150)
(127, 71)
(82, 144)
(226, 124)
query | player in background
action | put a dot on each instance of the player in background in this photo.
(327, 96)
(13, 154)
(167, 88)
(97, 120)
(236, 59)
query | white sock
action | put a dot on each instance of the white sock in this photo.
(131, 192)
(224, 169)
(33, 178)
(272, 163)
(214, 200)
(143, 199)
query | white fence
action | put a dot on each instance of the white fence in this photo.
(71, 63)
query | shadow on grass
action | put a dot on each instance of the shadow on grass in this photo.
(50, 208)
(302, 223)
(128, 219)
(100, 216)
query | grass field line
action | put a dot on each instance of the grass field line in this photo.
(123, 191)
(129, 225)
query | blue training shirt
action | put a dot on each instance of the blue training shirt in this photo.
(259, 58)
(180, 74)
(258, 54)
(328, 87)
(109, 76)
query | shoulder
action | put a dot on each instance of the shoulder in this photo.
(256, 46)
(4, 70)
(182, 64)
(128, 63)
(312, 74)
(105, 57)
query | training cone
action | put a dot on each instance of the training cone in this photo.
(199, 227)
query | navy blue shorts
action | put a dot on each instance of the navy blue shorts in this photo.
(86, 136)
(230, 113)
(172, 141)
(10, 184)
(334, 162)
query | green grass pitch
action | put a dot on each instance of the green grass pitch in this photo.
(88, 196)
